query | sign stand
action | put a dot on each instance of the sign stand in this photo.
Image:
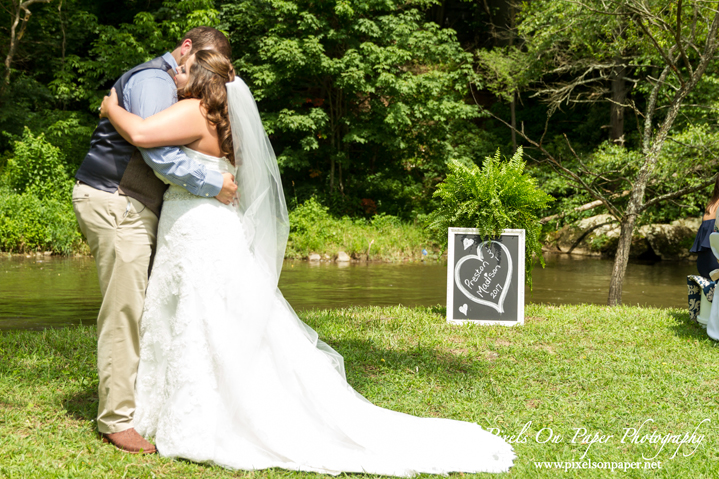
(485, 278)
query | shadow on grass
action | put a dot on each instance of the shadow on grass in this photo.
(82, 405)
(686, 328)
(364, 361)
(62, 359)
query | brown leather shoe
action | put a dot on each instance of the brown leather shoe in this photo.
(130, 440)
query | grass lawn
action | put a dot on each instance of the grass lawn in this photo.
(568, 369)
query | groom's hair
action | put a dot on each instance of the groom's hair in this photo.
(207, 38)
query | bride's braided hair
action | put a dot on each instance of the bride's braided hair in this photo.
(208, 75)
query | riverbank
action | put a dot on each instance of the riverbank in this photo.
(382, 238)
(318, 236)
(572, 367)
(313, 232)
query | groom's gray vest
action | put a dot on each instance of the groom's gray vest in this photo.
(113, 164)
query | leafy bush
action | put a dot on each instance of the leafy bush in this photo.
(500, 195)
(37, 167)
(28, 223)
(35, 209)
(384, 237)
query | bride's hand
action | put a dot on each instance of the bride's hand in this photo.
(108, 102)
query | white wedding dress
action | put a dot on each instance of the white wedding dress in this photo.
(229, 375)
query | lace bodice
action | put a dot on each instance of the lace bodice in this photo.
(223, 165)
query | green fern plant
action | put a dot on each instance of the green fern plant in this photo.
(497, 196)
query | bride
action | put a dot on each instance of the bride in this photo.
(228, 373)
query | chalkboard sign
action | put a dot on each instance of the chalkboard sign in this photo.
(485, 277)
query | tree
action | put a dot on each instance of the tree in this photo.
(20, 15)
(117, 48)
(357, 95)
(671, 47)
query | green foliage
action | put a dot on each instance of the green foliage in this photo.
(498, 196)
(35, 209)
(582, 57)
(70, 132)
(358, 97)
(384, 237)
(505, 70)
(74, 50)
(377, 91)
(28, 223)
(686, 159)
(117, 48)
(37, 168)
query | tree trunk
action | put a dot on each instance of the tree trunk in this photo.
(345, 160)
(13, 43)
(16, 35)
(636, 206)
(439, 14)
(512, 110)
(621, 259)
(342, 186)
(619, 96)
(513, 104)
(332, 173)
(636, 200)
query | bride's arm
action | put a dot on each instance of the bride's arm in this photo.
(180, 124)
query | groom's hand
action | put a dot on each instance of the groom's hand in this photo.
(229, 189)
(108, 102)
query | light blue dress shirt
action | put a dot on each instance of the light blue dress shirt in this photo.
(154, 91)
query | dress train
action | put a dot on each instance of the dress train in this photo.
(229, 375)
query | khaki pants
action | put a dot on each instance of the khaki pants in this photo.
(122, 234)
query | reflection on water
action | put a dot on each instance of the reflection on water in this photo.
(578, 279)
(331, 285)
(38, 293)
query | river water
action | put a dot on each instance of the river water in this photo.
(45, 292)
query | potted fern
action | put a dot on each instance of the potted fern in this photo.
(497, 196)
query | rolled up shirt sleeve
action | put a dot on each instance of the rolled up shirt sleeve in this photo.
(149, 92)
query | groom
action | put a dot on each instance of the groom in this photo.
(117, 201)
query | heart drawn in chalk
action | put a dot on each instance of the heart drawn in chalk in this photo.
(485, 277)
(463, 309)
(467, 242)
